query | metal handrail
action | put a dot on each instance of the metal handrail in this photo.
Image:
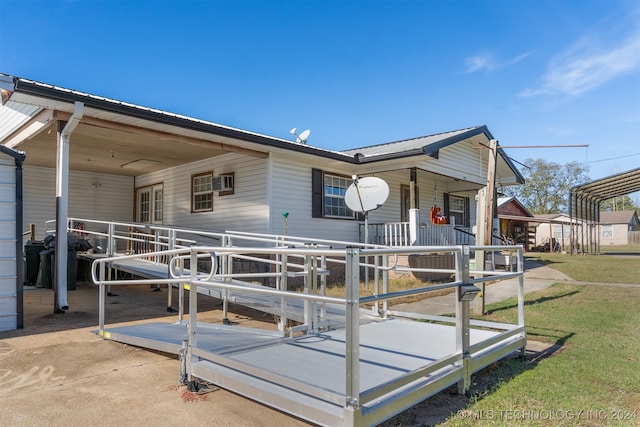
(224, 279)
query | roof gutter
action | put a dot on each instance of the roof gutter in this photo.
(28, 87)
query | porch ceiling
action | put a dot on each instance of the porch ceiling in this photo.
(98, 147)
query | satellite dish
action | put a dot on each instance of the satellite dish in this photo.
(366, 194)
(302, 138)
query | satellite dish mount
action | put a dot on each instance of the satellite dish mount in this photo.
(302, 138)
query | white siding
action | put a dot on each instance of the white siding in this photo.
(245, 210)
(8, 256)
(291, 186)
(464, 161)
(91, 195)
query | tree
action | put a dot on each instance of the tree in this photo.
(547, 185)
(624, 203)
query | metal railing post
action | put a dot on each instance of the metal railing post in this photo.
(111, 241)
(307, 288)
(226, 267)
(385, 285)
(102, 301)
(283, 302)
(521, 287)
(352, 338)
(323, 287)
(192, 327)
(463, 318)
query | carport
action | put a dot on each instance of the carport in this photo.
(584, 206)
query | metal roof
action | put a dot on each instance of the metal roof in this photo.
(68, 96)
(28, 97)
(429, 145)
(607, 188)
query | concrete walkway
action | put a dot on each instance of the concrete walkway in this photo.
(536, 277)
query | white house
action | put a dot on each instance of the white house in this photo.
(128, 162)
(615, 226)
(92, 157)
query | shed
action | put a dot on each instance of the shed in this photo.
(11, 256)
(516, 225)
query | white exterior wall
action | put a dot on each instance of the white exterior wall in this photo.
(291, 192)
(8, 255)
(91, 195)
(620, 235)
(245, 210)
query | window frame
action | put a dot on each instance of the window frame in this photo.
(466, 212)
(195, 194)
(320, 196)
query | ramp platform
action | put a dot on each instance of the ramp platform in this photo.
(305, 376)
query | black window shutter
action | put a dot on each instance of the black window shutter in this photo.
(317, 192)
(467, 214)
(445, 208)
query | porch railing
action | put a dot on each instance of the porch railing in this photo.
(398, 234)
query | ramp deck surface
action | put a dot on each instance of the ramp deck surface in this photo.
(275, 370)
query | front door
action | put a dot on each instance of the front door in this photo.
(149, 207)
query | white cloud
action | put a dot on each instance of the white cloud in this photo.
(479, 63)
(585, 67)
(486, 62)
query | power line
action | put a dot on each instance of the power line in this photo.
(612, 158)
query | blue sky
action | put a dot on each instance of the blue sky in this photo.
(356, 73)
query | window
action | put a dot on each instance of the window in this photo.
(149, 208)
(607, 231)
(457, 210)
(328, 192)
(335, 188)
(157, 208)
(561, 231)
(201, 192)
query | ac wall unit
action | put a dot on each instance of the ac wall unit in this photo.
(222, 183)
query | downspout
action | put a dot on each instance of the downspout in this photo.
(19, 247)
(62, 207)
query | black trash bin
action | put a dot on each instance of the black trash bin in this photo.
(46, 277)
(74, 244)
(32, 251)
(48, 268)
(72, 269)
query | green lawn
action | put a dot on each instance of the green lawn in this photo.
(592, 380)
(605, 268)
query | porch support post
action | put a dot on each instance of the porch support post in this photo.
(414, 212)
(62, 206)
(414, 223)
